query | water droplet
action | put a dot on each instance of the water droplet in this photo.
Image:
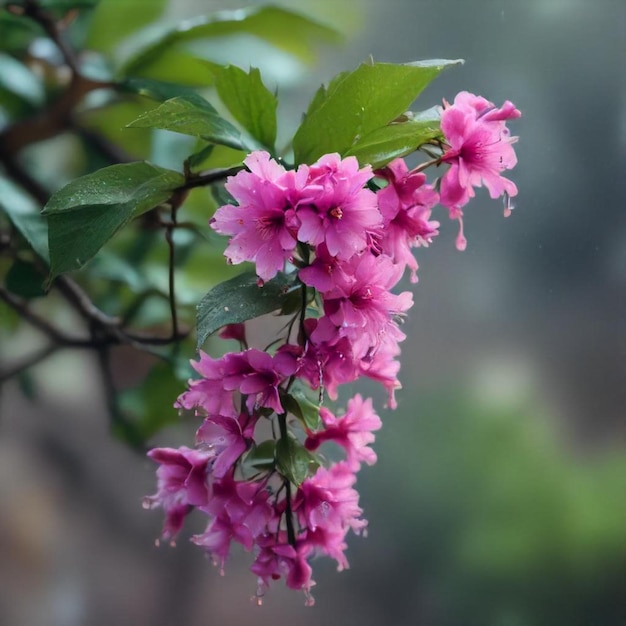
(172, 544)
(146, 503)
(157, 543)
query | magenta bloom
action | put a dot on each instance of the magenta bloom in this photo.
(261, 376)
(328, 507)
(277, 559)
(405, 204)
(479, 149)
(182, 484)
(342, 213)
(241, 513)
(325, 362)
(360, 306)
(263, 226)
(208, 393)
(353, 432)
(225, 438)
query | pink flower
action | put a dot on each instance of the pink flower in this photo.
(182, 484)
(277, 559)
(260, 379)
(360, 306)
(241, 513)
(479, 148)
(324, 363)
(225, 438)
(381, 365)
(208, 393)
(342, 213)
(328, 502)
(405, 204)
(321, 273)
(264, 224)
(352, 431)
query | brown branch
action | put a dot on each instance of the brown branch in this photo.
(51, 121)
(41, 323)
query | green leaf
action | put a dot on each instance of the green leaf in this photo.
(288, 31)
(191, 116)
(301, 406)
(113, 20)
(396, 140)
(25, 216)
(16, 33)
(358, 103)
(240, 299)
(158, 90)
(294, 461)
(18, 79)
(249, 101)
(261, 456)
(86, 213)
(150, 404)
(25, 280)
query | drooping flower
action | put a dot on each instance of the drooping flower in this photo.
(226, 438)
(361, 305)
(328, 507)
(277, 559)
(478, 148)
(405, 204)
(324, 362)
(181, 484)
(352, 431)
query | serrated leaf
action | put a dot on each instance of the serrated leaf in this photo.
(159, 90)
(86, 213)
(249, 101)
(294, 461)
(25, 280)
(191, 116)
(396, 140)
(288, 31)
(25, 216)
(240, 299)
(359, 103)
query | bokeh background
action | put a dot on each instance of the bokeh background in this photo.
(499, 498)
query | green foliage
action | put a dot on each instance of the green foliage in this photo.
(294, 461)
(358, 103)
(191, 115)
(240, 299)
(24, 214)
(249, 101)
(86, 213)
(113, 20)
(397, 139)
(301, 406)
(149, 404)
(503, 520)
(25, 280)
(288, 31)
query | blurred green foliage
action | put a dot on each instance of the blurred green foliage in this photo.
(504, 524)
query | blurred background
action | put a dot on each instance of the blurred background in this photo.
(499, 497)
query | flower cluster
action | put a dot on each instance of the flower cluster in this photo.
(344, 234)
